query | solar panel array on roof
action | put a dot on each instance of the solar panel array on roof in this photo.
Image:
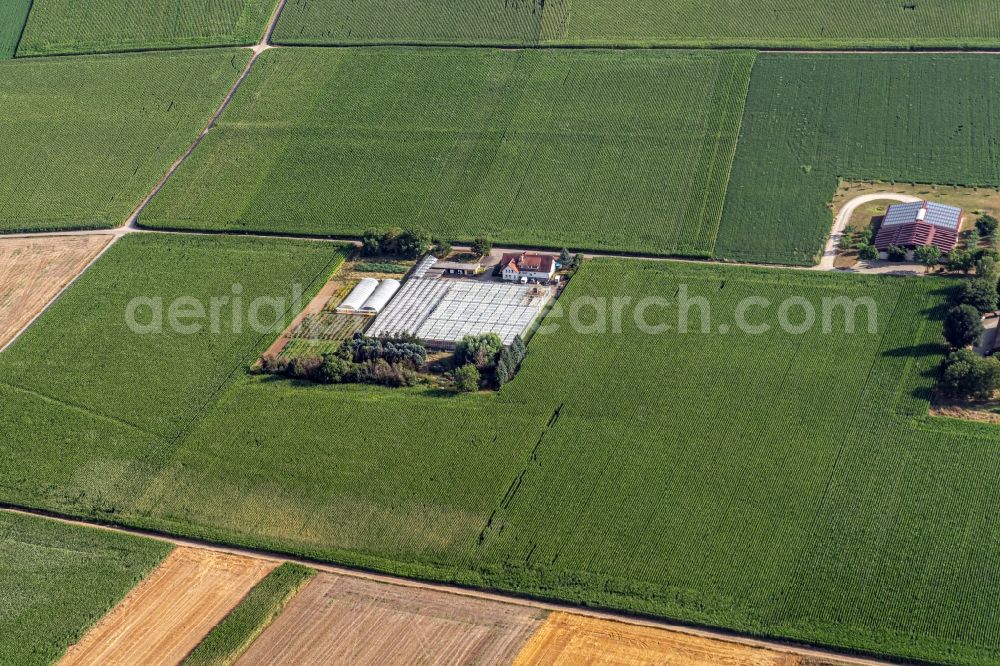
(940, 215)
(444, 311)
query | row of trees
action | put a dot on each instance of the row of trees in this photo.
(360, 360)
(412, 243)
(964, 373)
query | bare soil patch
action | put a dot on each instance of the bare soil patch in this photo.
(341, 620)
(567, 639)
(975, 201)
(167, 615)
(34, 270)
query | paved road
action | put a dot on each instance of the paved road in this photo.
(703, 632)
(844, 218)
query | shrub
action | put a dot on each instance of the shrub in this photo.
(987, 225)
(467, 378)
(960, 260)
(895, 253)
(962, 326)
(965, 374)
(868, 252)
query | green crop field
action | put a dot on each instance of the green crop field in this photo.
(810, 119)
(246, 622)
(750, 23)
(57, 580)
(13, 14)
(85, 139)
(779, 484)
(111, 401)
(605, 150)
(101, 26)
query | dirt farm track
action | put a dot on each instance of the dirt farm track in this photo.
(167, 615)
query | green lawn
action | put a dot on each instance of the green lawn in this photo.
(749, 23)
(85, 139)
(811, 119)
(101, 26)
(57, 580)
(779, 484)
(13, 14)
(604, 150)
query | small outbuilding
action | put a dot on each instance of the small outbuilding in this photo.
(462, 269)
(917, 224)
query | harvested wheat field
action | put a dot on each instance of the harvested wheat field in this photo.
(574, 639)
(167, 615)
(342, 620)
(34, 270)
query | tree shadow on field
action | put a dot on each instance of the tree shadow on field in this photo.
(916, 351)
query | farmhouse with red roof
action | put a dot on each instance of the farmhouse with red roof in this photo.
(911, 225)
(524, 266)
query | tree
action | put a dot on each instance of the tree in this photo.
(578, 260)
(480, 350)
(896, 253)
(972, 239)
(960, 260)
(987, 225)
(980, 293)
(467, 378)
(868, 253)
(332, 370)
(482, 247)
(845, 243)
(962, 326)
(441, 248)
(987, 268)
(390, 241)
(966, 374)
(504, 371)
(565, 258)
(928, 255)
(371, 242)
(412, 243)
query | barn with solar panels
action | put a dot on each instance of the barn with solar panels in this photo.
(912, 225)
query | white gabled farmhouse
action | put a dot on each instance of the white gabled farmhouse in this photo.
(526, 266)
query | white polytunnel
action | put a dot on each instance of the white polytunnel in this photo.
(381, 296)
(358, 296)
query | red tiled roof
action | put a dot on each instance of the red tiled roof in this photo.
(535, 263)
(915, 234)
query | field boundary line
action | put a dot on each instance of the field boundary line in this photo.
(48, 306)
(701, 631)
(131, 223)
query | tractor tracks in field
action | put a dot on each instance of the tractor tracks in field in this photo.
(790, 648)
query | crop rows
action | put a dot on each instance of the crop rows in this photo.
(590, 149)
(751, 23)
(57, 580)
(13, 14)
(109, 130)
(99, 26)
(782, 484)
(812, 119)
